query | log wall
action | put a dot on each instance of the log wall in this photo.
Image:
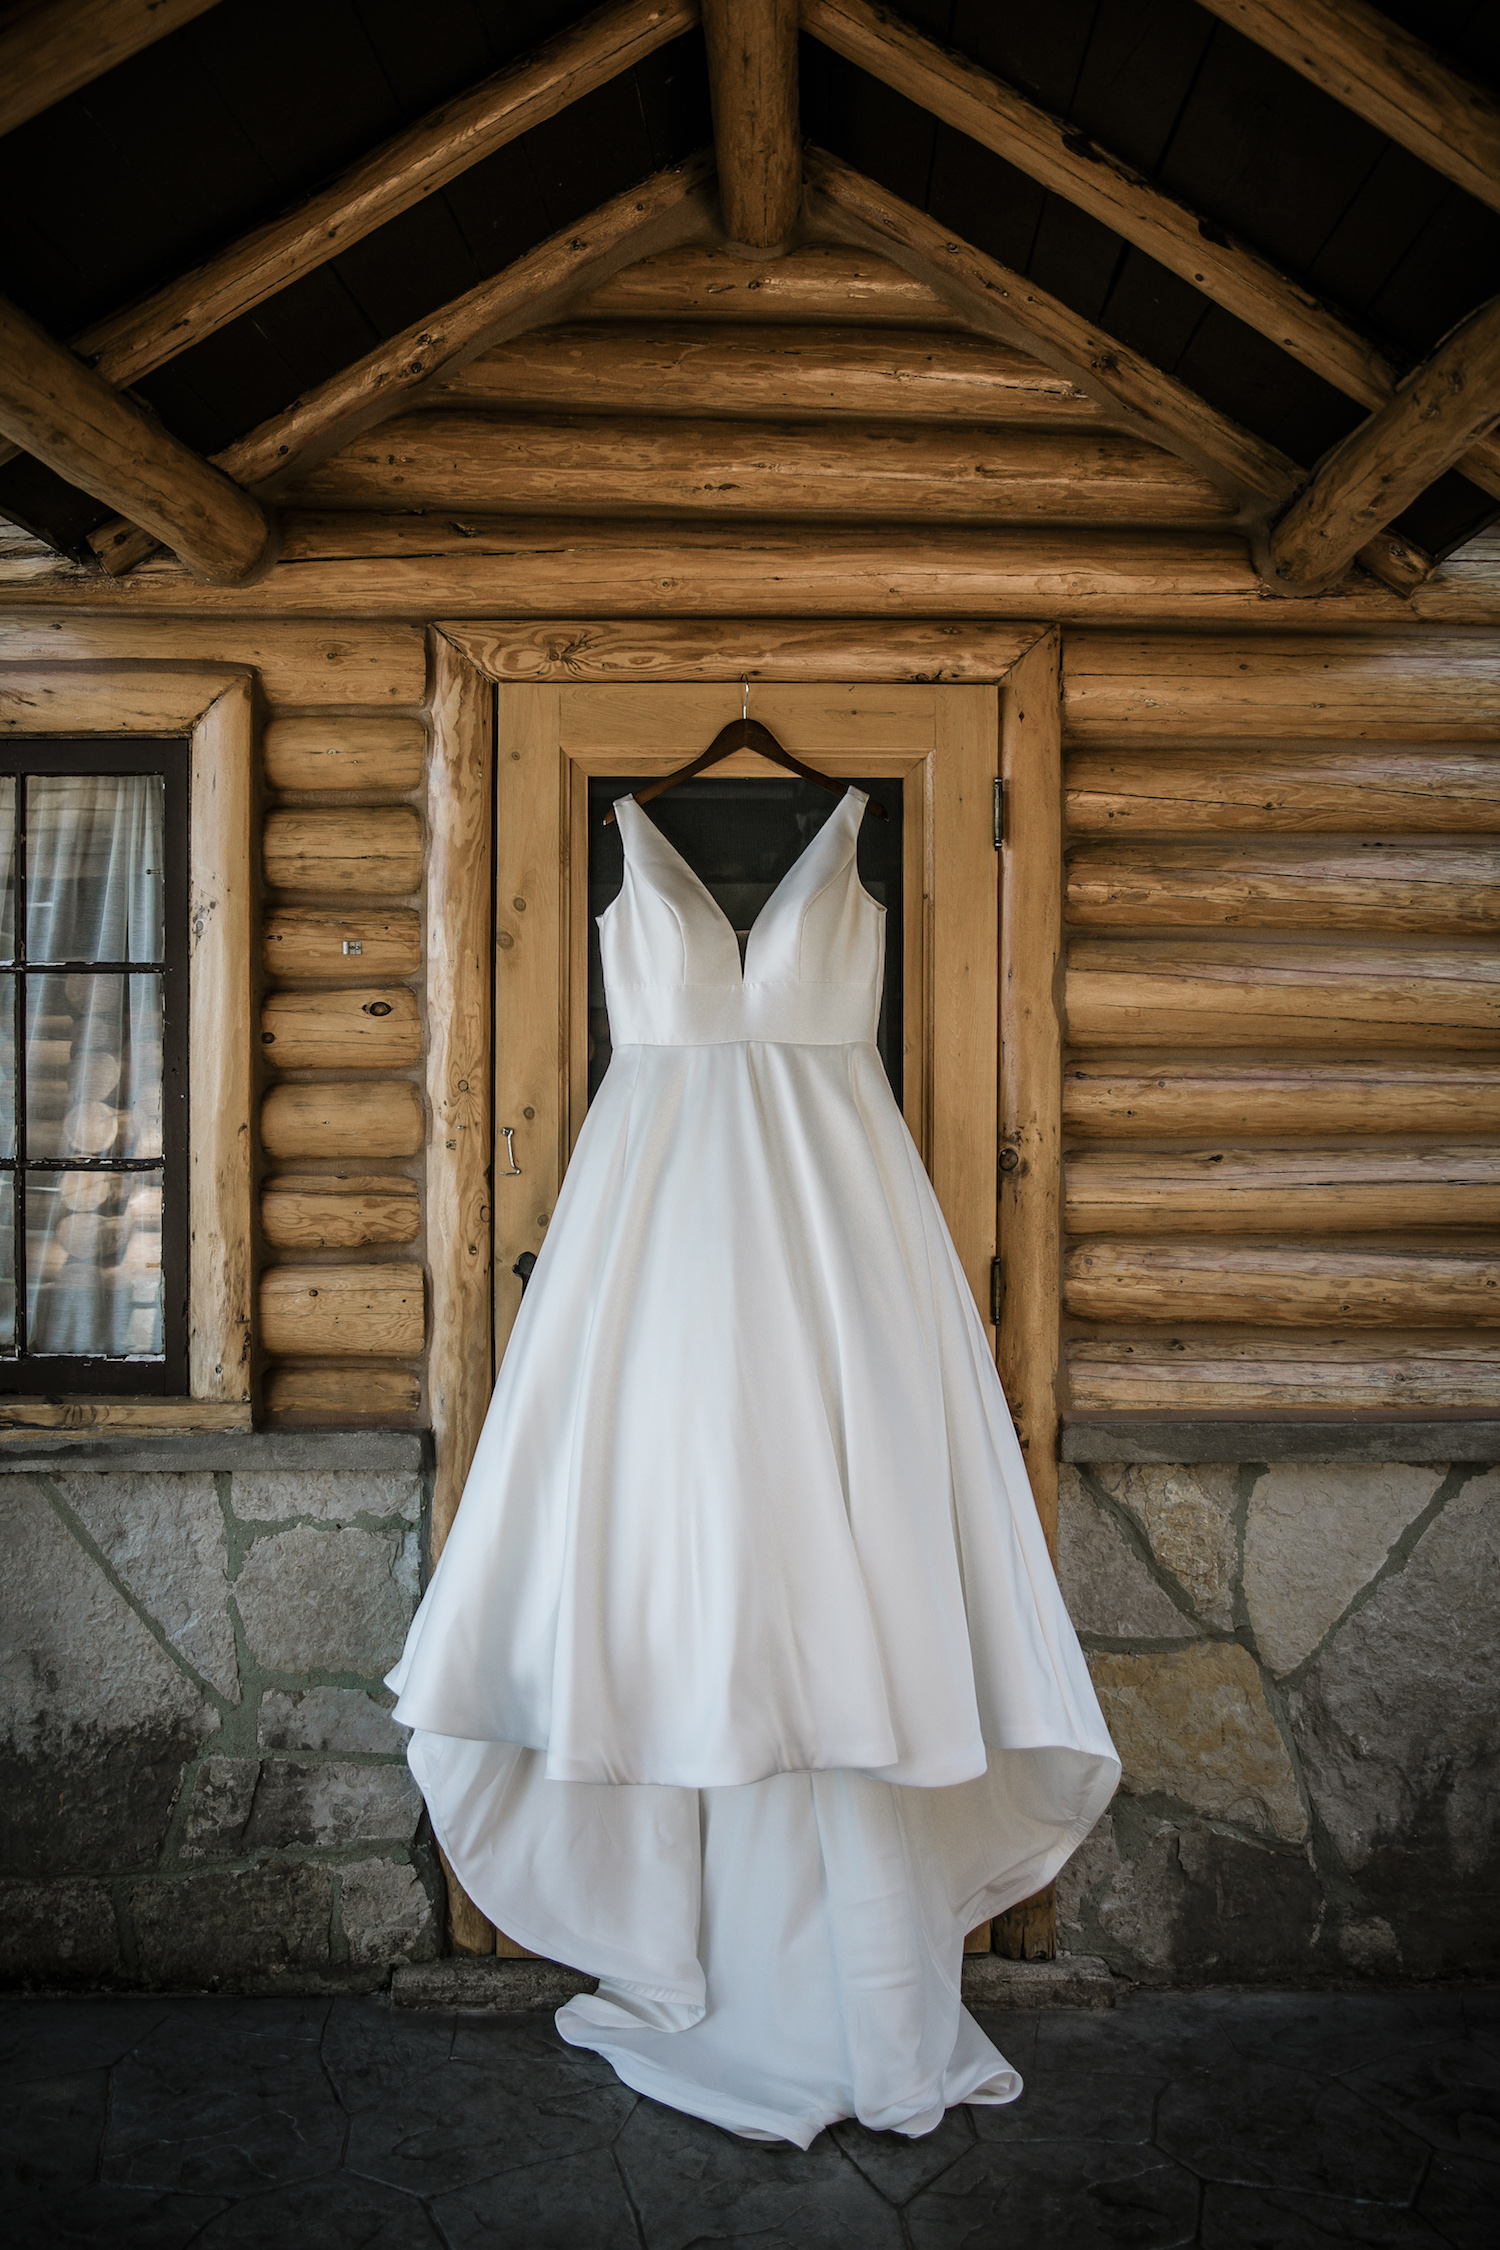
(1281, 1097)
(342, 1118)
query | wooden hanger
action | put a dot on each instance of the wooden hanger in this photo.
(745, 733)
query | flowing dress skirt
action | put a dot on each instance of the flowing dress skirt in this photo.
(744, 1682)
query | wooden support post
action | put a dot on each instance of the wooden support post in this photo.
(1381, 467)
(65, 414)
(51, 48)
(1367, 62)
(752, 71)
(459, 1214)
(1031, 881)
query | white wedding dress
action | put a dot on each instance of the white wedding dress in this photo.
(744, 1682)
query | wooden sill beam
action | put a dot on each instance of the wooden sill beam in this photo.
(1356, 54)
(1049, 151)
(69, 417)
(53, 47)
(752, 76)
(1380, 468)
(666, 209)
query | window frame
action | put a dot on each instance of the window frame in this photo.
(214, 708)
(23, 756)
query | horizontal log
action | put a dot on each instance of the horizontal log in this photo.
(820, 281)
(366, 1028)
(1147, 793)
(1287, 886)
(766, 371)
(732, 648)
(373, 666)
(340, 1211)
(1409, 1374)
(384, 755)
(1421, 687)
(360, 1120)
(1173, 1099)
(633, 464)
(1265, 1190)
(1277, 996)
(372, 1312)
(340, 1397)
(1285, 1285)
(300, 942)
(489, 566)
(364, 848)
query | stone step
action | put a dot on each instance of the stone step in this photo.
(505, 1985)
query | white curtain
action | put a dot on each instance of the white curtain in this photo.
(94, 892)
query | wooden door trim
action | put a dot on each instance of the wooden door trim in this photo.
(640, 651)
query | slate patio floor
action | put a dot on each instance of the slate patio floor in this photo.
(1219, 2119)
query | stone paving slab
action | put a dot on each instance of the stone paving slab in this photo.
(1209, 2120)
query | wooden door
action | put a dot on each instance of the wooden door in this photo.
(943, 742)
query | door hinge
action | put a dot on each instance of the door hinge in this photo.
(999, 813)
(997, 1292)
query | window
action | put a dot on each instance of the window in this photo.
(93, 1066)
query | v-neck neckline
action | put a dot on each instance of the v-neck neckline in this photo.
(691, 872)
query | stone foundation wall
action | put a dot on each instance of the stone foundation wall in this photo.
(1299, 1665)
(202, 1787)
(201, 1784)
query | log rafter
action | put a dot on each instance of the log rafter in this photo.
(70, 418)
(54, 48)
(1229, 272)
(1370, 65)
(1381, 467)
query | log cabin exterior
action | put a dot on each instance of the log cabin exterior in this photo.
(1189, 681)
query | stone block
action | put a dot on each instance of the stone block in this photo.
(1188, 1516)
(58, 1934)
(386, 1913)
(327, 1718)
(165, 1536)
(282, 1495)
(1193, 1724)
(242, 1806)
(96, 1720)
(1396, 1723)
(245, 1929)
(1195, 1906)
(316, 1599)
(1313, 1537)
(1107, 1585)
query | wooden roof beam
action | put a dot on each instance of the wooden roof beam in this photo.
(1356, 54)
(669, 208)
(53, 47)
(1379, 469)
(1009, 306)
(1013, 308)
(752, 76)
(128, 344)
(70, 418)
(1049, 151)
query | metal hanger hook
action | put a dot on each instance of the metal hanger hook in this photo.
(745, 699)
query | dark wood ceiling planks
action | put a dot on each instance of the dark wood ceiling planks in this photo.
(222, 123)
